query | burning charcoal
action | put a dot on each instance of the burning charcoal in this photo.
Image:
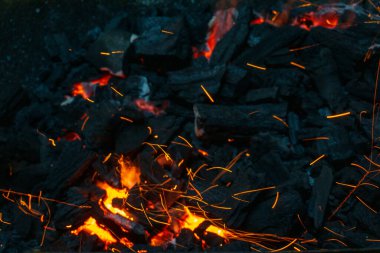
(12, 97)
(163, 45)
(232, 77)
(58, 46)
(99, 129)
(233, 39)
(70, 166)
(130, 138)
(273, 167)
(107, 51)
(326, 79)
(278, 220)
(210, 120)
(261, 95)
(320, 195)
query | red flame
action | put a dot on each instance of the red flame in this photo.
(220, 24)
(328, 20)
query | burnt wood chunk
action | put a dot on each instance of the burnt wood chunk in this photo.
(70, 166)
(228, 121)
(320, 195)
(163, 45)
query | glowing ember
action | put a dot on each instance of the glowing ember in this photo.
(129, 173)
(86, 89)
(162, 238)
(150, 107)
(220, 24)
(191, 221)
(93, 228)
(328, 20)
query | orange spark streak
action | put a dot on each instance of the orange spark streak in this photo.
(106, 158)
(316, 160)
(317, 138)
(207, 94)
(333, 232)
(281, 120)
(255, 66)
(359, 166)
(338, 115)
(276, 200)
(366, 205)
(167, 32)
(255, 190)
(117, 92)
(202, 152)
(285, 247)
(52, 141)
(90, 226)
(90, 100)
(336, 240)
(374, 107)
(302, 48)
(373, 240)
(370, 184)
(343, 184)
(84, 123)
(104, 53)
(2, 221)
(126, 119)
(187, 142)
(297, 65)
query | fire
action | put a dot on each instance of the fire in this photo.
(86, 89)
(129, 173)
(111, 194)
(329, 20)
(91, 227)
(220, 24)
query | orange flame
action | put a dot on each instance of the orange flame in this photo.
(93, 228)
(111, 194)
(129, 173)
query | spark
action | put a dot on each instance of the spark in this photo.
(297, 65)
(285, 247)
(116, 91)
(90, 100)
(359, 166)
(219, 168)
(202, 152)
(336, 240)
(107, 158)
(221, 207)
(316, 160)
(281, 120)
(207, 94)
(187, 142)
(370, 184)
(347, 185)
(255, 66)
(366, 205)
(372, 240)
(276, 200)
(302, 48)
(167, 32)
(255, 190)
(84, 123)
(52, 141)
(317, 138)
(104, 53)
(2, 221)
(118, 52)
(338, 115)
(150, 130)
(333, 232)
(209, 188)
(126, 119)
(146, 216)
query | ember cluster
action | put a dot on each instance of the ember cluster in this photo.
(216, 125)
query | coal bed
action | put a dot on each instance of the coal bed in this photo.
(190, 126)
